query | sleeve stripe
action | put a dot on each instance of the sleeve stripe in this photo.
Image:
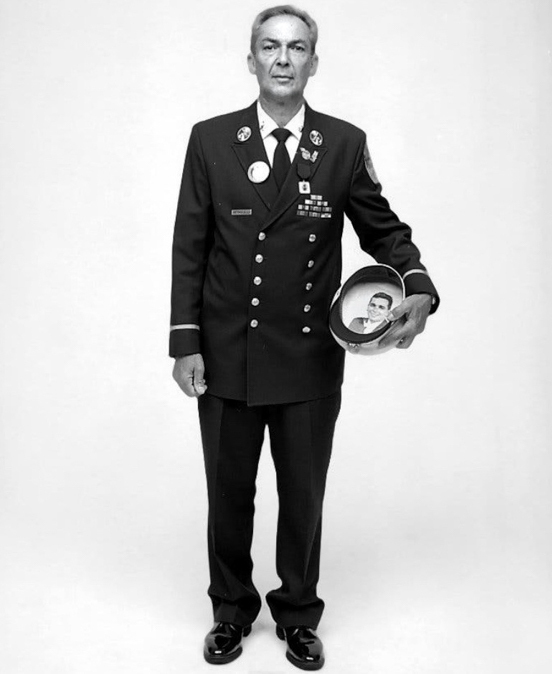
(415, 271)
(185, 326)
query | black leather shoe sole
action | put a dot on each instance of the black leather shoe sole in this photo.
(225, 659)
(307, 666)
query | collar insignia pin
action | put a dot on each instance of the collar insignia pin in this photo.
(316, 137)
(243, 134)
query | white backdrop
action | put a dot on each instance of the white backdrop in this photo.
(437, 547)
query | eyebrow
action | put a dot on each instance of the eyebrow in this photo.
(292, 43)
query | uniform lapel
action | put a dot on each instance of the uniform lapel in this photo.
(253, 150)
(302, 165)
(313, 125)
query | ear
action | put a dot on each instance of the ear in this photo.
(251, 64)
(314, 65)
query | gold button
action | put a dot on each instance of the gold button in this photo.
(306, 329)
(307, 308)
(257, 280)
(308, 286)
(310, 264)
(312, 238)
(259, 258)
(262, 236)
(254, 323)
(255, 301)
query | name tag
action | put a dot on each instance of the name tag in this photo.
(242, 211)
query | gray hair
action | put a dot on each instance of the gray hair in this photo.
(283, 10)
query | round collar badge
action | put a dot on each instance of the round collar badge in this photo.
(316, 137)
(243, 134)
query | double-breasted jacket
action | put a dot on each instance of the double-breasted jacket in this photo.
(255, 270)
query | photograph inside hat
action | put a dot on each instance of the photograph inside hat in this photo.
(355, 309)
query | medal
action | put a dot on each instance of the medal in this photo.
(304, 172)
(258, 172)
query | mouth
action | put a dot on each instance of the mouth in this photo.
(282, 78)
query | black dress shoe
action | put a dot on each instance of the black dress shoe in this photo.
(304, 648)
(223, 643)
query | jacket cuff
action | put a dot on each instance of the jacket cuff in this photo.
(184, 342)
(419, 282)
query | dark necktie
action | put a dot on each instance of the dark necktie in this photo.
(281, 162)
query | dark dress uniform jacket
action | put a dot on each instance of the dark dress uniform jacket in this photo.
(257, 270)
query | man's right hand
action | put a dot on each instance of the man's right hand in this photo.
(188, 373)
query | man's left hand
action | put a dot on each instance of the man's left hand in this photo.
(413, 311)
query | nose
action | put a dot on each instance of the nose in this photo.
(283, 56)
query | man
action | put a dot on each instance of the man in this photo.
(377, 314)
(256, 262)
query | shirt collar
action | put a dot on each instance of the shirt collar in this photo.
(267, 124)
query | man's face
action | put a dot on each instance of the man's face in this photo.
(282, 60)
(377, 309)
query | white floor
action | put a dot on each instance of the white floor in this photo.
(418, 576)
(64, 617)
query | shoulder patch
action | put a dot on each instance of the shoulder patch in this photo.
(369, 165)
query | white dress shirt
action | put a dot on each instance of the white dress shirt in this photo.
(267, 126)
(372, 326)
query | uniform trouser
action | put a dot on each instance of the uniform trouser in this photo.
(301, 440)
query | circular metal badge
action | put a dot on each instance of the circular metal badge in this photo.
(243, 134)
(316, 137)
(258, 172)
